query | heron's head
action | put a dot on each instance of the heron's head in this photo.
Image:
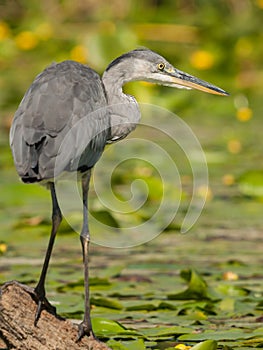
(146, 65)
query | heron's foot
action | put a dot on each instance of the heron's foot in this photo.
(42, 304)
(85, 330)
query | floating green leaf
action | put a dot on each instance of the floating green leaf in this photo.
(206, 345)
(197, 287)
(137, 344)
(231, 290)
(142, 306)
(229, 334)
(156, 332)
(78, 285)
(106, 302)
(251, 183)
(105, 326)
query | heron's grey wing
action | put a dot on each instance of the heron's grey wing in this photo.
(63, 114)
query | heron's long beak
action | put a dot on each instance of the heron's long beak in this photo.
(184, 80)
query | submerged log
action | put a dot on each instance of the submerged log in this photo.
(17, 330)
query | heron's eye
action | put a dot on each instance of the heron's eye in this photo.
(161, 66)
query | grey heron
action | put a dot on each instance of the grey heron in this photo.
(71, 96)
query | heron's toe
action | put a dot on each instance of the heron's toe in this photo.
(42, 304)
(85, 330)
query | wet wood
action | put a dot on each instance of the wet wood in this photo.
(17, 330)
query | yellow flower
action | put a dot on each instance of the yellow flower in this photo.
(26, 40)
(230, 276)
(228, 179)
(244, 114)
(259, 3)
(234, 146)
(202, 59)
(4, 31)
(3, 248)
(79, 53)
(182, 347)
(205, 192)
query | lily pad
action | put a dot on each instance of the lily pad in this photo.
(251, 183)
(137, 344)
(229, 334)
(106, 302)
(105, 325)
(197, 287)
(206, 345)
(165, 331)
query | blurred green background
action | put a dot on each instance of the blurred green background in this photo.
(218, 41)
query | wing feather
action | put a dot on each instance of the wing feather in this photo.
(61, 124)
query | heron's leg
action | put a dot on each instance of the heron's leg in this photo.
(40, 292)
(85, 327)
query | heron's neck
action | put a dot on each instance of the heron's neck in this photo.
(124, 110)
(113, 81)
